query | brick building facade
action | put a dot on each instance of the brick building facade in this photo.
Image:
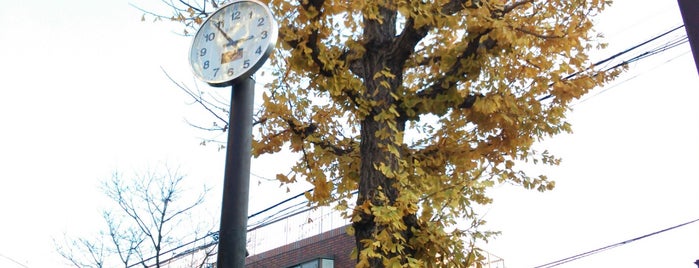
(330, 249)
(335, 245)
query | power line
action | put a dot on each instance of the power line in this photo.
(170, 250)
(595, 251)
(643, 55)
(628, 50)
(259, 225)
(13, 260)
(276, 217)
(629, 79)
(639, 45)
(280, 203)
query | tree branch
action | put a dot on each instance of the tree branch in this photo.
(406, 42)
(446, 83)
(309, 130)
(312, 41)
(514, 5)
(198, 99)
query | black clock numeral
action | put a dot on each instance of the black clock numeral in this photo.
(206, 65)
(261, 22)
(216, 71)
(210, 37)
(230, 72)
(246, 64)
(202, 52)
(264, 34)
(250, 15)
(236, 15)
(258, 50)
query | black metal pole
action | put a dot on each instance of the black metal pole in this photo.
(236, 181)
(690, 15)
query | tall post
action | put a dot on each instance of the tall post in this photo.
(236, 181)
(690, 15)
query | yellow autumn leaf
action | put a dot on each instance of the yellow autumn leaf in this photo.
(426, 113)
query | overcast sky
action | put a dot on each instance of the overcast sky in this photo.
(83, 95)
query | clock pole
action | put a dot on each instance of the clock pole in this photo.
(236, 181)
(228, 48)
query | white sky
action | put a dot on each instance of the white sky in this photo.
(83, 95)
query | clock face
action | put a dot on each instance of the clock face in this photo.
(233, 42)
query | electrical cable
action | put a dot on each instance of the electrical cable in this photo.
(261, 177)
(595, 251)
(271, 219)
(277, 214)
(289, 215)
(639, 45)
(13, 260)
(280, 203)
(616, 56)
(180, 255)
(651, 52)
(276, 217)
(628, 50)
(628, 79)
(169, 250)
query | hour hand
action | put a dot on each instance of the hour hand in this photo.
(235, 42)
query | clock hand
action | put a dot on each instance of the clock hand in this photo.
(235, 42)
(216, 24)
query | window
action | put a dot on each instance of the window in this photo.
(327, 263)
(317, 263)
(310, 264)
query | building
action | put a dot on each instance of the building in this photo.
(325, 250)
(311, 239)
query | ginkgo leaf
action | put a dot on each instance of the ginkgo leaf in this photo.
(426, 105)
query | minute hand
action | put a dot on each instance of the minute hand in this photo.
(230, 40)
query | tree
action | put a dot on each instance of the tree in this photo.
(152, 215)
(405, 112)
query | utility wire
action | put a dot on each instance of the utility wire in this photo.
(271, 219)
(260, 224)
(628, 50)
(168, 251)
(643, 55)
(296, 209)
(639, 45)
(13, 260)
(628, 79)
(595, 251)
(280, 203)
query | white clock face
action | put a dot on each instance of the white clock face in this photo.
(233, 42)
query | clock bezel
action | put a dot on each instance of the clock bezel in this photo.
(269, 47)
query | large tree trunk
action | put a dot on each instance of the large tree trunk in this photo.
(372, 182)
(372, 148)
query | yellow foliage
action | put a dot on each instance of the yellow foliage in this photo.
(440, 100)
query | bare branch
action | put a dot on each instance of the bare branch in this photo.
(197, 9)
(514, 5)
(198, 99)
(148, 12)
(149, 209)
(82, 252)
